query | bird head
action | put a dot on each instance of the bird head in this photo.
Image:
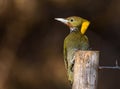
(75, 22)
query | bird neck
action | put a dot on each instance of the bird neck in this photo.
(75, 29)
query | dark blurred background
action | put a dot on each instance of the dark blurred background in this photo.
(31, 41)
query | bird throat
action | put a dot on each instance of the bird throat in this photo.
(72, 29)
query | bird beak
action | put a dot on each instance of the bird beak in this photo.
(62, 20)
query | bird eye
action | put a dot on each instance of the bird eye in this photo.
(71, 20)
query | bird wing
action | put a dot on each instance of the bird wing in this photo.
(85, 43)
(65, 56)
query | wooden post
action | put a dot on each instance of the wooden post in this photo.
(86, 70)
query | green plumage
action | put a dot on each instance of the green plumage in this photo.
(73, 42)
(76, 40)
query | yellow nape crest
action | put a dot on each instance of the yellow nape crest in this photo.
(84, 26)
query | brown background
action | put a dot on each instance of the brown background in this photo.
(31, 41)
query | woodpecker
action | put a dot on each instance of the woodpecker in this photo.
(76, 40)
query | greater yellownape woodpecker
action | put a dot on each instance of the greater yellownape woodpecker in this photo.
(76, 40)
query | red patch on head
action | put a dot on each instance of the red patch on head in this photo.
(69, 24)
